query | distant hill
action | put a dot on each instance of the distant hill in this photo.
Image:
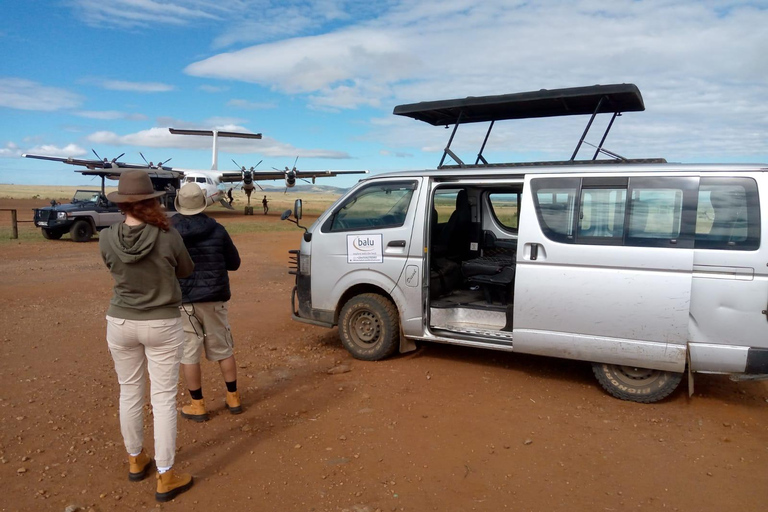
(306, 189)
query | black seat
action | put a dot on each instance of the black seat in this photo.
(455, 235)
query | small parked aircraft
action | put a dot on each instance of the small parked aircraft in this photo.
(212, 180)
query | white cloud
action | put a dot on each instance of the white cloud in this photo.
(213, 88)
(11, 150)
(22, 94)
(251, 105)
(70, 150)
(127, 14)
(110, 115)
(162, 138)
(144, 87)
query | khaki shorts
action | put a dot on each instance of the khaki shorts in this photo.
(206, 326)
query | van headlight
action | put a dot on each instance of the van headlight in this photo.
(304, 262)
(61, 215)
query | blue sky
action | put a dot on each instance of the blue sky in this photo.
(320, 79)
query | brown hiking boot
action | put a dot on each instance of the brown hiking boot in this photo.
(138, 466)
(195, 411)
(233, 402)
(170, 484)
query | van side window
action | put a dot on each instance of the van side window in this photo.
(601, 210)
(382, 205)
(661, 212)
(555, 200)
(728, 214)
(638, 211)
(506, 209)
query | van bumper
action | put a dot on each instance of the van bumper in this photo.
(301, 306)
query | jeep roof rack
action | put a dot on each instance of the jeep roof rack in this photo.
(592, 100)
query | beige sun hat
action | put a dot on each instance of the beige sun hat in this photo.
(134, 185)
(191, 199)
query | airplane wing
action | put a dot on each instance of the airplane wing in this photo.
(115, 173)
(279, 175)
(92, 164)
(231, 177)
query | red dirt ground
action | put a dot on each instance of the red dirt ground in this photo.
(445, 428)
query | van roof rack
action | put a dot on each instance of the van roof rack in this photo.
(591, 100)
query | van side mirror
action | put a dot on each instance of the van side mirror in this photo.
(297, 209)
(286, 215)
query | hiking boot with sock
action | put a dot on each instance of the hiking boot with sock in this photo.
(138, 466)
(195, 411)
(170, 484)
(233, 402)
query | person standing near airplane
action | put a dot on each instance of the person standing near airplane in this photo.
(206, 294)
(265, 204)
(144, 331)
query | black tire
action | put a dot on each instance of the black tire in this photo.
(51, 234)
(369, 327)
(81, 231)
(636, 384)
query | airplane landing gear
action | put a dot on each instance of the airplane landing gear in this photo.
(248, 210)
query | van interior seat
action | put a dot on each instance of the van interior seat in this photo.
(455, 235)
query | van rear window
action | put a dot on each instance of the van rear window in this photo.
(728, 214)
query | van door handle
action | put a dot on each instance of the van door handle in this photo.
(396, 243)
(534, 251)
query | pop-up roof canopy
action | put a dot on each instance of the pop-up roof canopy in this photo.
(592, 100)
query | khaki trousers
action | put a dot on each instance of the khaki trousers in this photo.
(137, 346)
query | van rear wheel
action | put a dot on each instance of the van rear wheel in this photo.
(369, 327)
(636, 384)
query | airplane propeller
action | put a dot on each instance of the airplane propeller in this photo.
(151, 165)
(247, 178)
(105, 161)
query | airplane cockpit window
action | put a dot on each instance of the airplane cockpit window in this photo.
(200, 179)
(189, 179)
(209, 181)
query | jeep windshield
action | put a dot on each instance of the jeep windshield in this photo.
(86, 196)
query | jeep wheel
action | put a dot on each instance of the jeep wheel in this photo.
(636, 384)
(52, 234)
(81, 231)
(369, 327)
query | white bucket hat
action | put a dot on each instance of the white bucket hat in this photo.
(191, 200)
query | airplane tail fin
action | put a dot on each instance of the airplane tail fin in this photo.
(216, 134)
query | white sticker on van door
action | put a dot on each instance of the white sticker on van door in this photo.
(364, 249)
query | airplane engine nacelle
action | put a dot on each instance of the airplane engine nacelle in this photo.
(290, 180)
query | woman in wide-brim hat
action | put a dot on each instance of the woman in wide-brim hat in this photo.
(146, 256)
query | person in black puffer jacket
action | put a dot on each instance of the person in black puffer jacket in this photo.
(205, 295)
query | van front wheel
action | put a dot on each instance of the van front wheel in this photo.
(369, 327)
(636, 384)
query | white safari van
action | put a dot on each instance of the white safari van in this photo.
(643, 268)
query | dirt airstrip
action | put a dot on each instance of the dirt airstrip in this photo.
(444, 428)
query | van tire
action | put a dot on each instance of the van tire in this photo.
(369, 327)
(636, 384)
(81, 231)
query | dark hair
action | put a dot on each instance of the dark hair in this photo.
(149, 211)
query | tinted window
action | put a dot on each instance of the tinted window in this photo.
(601, 218)
(445, 203)
(728, 214)
(505, 207)
(555, 201)
(618, 211)
(382, 205)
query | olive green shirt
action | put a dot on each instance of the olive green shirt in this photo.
(145, 263)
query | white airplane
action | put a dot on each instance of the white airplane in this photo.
(212, 181)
